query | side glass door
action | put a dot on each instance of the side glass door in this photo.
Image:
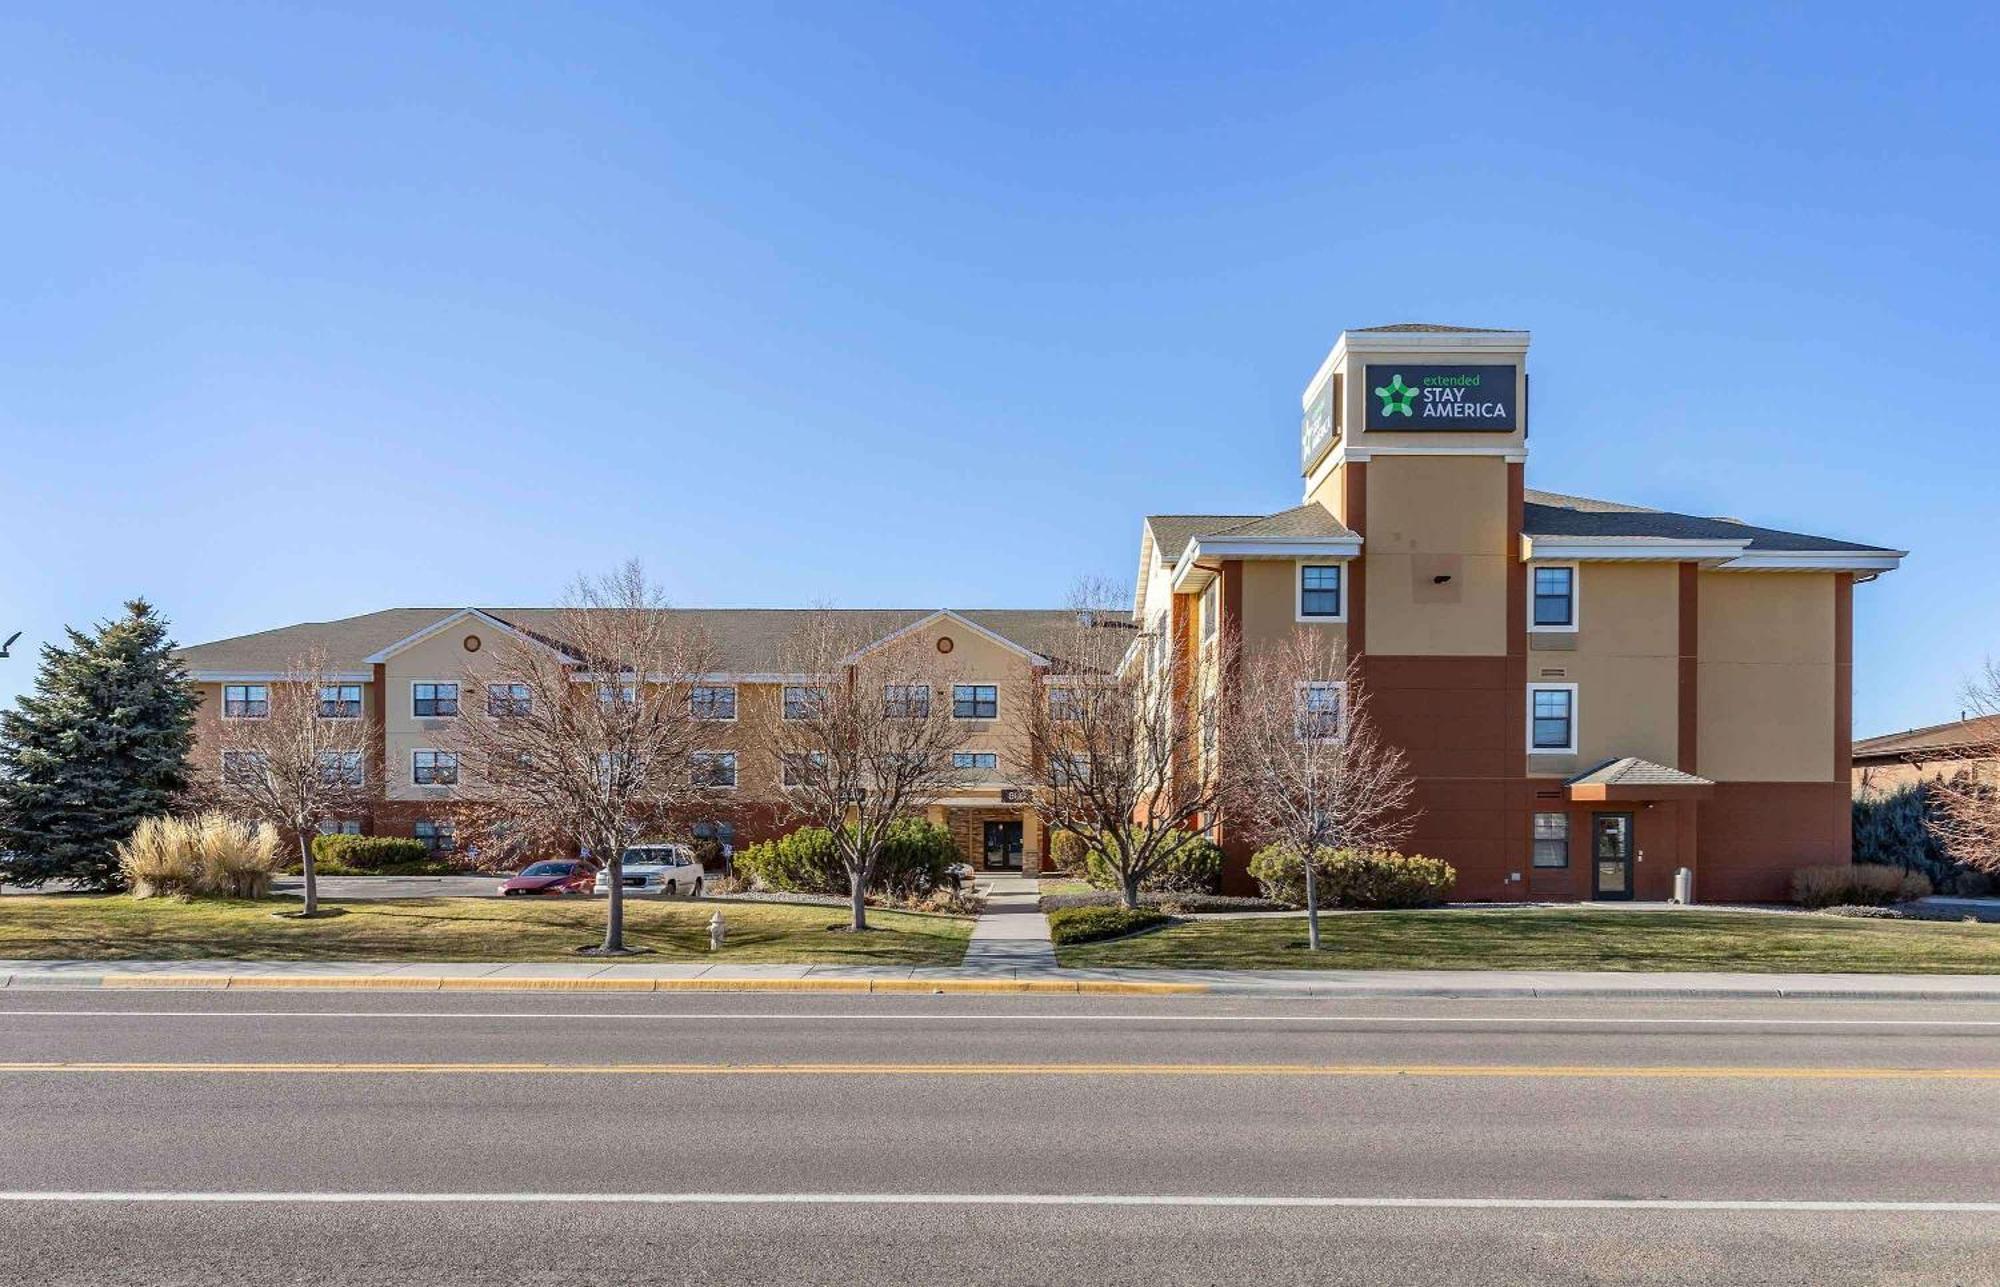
(1611, 855)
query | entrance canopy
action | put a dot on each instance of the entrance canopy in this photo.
(1632, 778)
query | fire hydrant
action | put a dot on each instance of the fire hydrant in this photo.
(717, 932)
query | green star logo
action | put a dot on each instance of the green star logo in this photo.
(1396, 398)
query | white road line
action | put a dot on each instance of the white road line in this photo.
(850, 1016)
(1010, 1199)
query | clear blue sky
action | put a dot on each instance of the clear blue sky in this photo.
(317, 312)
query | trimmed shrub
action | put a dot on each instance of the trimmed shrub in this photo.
(1069, 852)
(375, 856)
(169, 857)
(1352, 878)
(915, 859)
(798, 862)
(1166, 901)
(1089, 924)
(1860, 884)
(1194, 868)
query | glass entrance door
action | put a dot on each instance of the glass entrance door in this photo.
(1611, 855)
(1003, 846)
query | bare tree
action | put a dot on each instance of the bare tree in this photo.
(299, 760)
(585, 733)
(1121, 742)
(1315, 775)
(863, 740)
(1966, 806)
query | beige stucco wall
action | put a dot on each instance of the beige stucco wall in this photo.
(1430, 516)
(442, 658)
(1270, 609)
(1625, 664)
(1766, 695)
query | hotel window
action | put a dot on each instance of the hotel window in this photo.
(722, 833)
(1069, 768)
(1319, 591)
(713, 702)
(974, 760)
(245, 701)
(340, 826)
(1552, 718)
(1552, 840)
(505, 700)
(434, 701)
(434, 768)
(245, 768)
(1211, 609)
(803, 701)
(1064, 705)
(609, 695)
(1319, 712)
(713, 768)
(340, 701)
(438, 837)
(340, 768)
(794, 766)
(1555, 598)
(975, 701)
(906, 701)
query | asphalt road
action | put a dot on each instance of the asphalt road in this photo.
(359, 1138)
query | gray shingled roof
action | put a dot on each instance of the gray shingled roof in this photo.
(1172, 532)
(1431, 326)
(747, 640)
(1554, 514)
(1939, 740)
(1631, 771)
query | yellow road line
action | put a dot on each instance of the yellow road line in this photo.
(1620, 1071)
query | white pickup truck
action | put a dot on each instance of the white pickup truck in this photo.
(656, 869)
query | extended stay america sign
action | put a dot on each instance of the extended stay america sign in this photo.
(1404, 396)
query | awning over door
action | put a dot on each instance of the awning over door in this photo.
(1632, 778)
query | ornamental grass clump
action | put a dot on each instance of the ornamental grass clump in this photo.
(212, 853)
(1857, 884)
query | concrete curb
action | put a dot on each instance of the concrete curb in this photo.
(982, 986)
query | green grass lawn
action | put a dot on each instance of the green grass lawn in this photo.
(1562, 939)
(115, 927)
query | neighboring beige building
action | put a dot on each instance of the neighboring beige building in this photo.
(1895, 760)
(1592, 694)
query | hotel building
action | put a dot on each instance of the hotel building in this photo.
(1592, 694)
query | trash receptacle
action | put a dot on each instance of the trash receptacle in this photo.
(1684, 885)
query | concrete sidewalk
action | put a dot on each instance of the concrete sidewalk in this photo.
(1011, 933)
(657, 976)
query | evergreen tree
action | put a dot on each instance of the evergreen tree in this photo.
(102, 742)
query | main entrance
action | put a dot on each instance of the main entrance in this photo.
(1611, 855)
(1003, 846)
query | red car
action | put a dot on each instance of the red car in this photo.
(554, 876)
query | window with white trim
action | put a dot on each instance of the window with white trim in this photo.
(1065, 704)
(1552, 840)
(804, 701)
(1552, 718)
(246, 701)
(713, 768)
(434, 768)
(340, 826)
(340, 701)
(439, 836)
(1319, 592)
(609, 695)
(974, 760)
(1069, 768)
(340, 768)
(434, 701)
(245, 768)
(975, 701)
(794, 766)
(906, 701)
(1554, 590)
(712, 701)
(509, 701)
(1319, 711)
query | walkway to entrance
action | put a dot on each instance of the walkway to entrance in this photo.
(1011, 933)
